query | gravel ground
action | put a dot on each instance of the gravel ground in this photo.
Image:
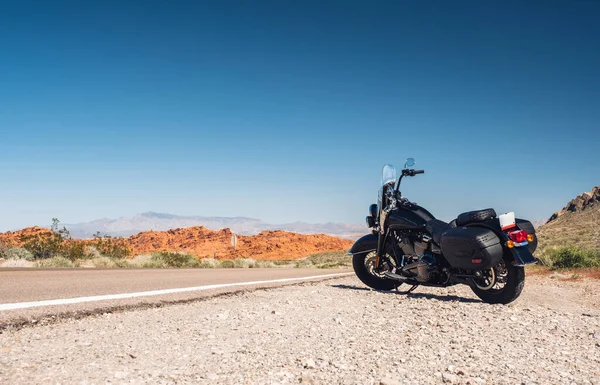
(328, 332)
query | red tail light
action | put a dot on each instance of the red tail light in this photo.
(518, 236)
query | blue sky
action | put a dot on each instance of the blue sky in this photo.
(286, 111)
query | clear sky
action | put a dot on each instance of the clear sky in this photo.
(286, 110)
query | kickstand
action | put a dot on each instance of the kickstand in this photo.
(408, 291)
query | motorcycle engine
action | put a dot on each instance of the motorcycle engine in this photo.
(423, 269)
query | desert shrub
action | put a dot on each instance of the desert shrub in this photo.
(303, 264)
(282, 262)
(155, 264)
(140, 260)
(17, 253)
(72, 250)
(571, 257)
(208, 263)
(57, 242)
(111, 247)
(47, 245)
(244, 263)
(265, 264)
(110, 263)
(57, 261)
(328, 260)
(3, 248)
(227, 264)
(176, 259)
(102, 262)
(91, 252)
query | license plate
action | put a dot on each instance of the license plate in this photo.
(507, 221)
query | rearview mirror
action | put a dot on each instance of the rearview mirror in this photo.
(409, 162)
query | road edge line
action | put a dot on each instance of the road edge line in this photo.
(151, 293)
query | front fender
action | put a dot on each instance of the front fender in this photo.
(365, 244)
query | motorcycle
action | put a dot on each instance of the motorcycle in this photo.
(407, 245)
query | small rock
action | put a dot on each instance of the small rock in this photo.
(211, 376)
(451, 368)
(310, 364)
(449, 378)
(306, 379)
(559, 276)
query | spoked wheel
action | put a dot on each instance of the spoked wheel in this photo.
(500, 284)
(364, 267)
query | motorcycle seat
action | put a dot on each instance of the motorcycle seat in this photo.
(436, 228)
(475, 216)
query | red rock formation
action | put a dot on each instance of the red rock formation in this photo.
(202, 242)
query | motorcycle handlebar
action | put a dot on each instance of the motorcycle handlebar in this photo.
(407, 172)
(412, 172)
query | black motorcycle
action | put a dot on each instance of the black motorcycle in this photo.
(408, 245)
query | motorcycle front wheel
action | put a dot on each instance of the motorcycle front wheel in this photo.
(501, 284)
(364, 267)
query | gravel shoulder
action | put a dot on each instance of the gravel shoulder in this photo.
(329, 332)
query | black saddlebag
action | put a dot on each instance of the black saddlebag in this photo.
(471, 248)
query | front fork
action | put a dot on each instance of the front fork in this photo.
(381, 239)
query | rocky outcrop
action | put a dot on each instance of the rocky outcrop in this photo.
(268, 245)
(14, 238)
(580, 203)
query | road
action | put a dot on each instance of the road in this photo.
(32, 294)
(332, 331)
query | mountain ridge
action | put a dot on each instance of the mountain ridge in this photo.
(579, 203)
(155, 221)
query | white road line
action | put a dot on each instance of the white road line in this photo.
(70, 301)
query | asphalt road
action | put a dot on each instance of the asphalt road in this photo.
(28, 295)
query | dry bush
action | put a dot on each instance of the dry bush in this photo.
(179, 260)
(56, 261)
(244, 263)
(227, 264)
(208, 263)
(17, 253)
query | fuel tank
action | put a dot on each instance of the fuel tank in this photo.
(407, 218)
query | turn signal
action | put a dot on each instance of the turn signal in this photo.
(510, 244)
(530, 238)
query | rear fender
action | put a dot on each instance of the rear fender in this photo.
(522, 256)
(365, 244)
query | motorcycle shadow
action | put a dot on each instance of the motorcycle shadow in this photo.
(442, 298)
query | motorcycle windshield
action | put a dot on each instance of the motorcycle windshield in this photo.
(388, 174)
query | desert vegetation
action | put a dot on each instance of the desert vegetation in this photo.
(569, 257)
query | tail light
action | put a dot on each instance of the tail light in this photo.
(518, 236)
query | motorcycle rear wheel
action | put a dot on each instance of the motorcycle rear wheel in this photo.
(364, 264)
(500, 285)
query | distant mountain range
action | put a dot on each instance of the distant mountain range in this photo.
(127, 226)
